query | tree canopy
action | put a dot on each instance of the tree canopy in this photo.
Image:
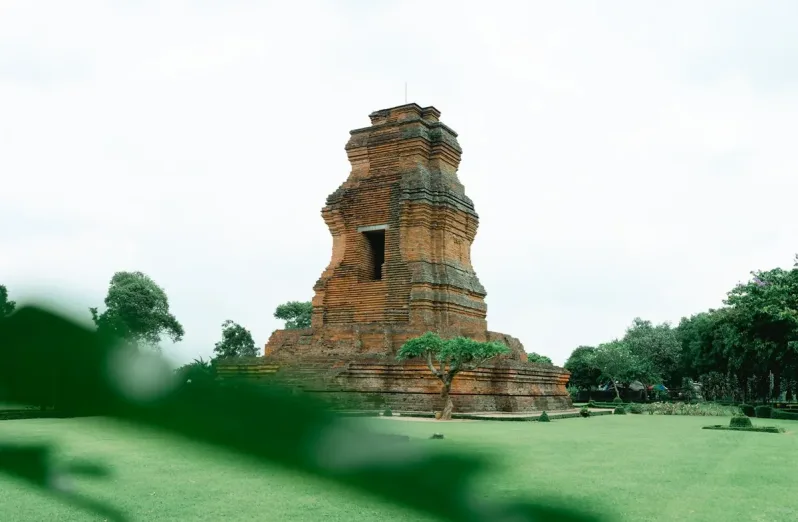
(137, 309)
(296, 314)
(536, 358)
(746, 349)
(7, 307)
(617, 363)
(584, 374)
(448, 357)
(236, 342)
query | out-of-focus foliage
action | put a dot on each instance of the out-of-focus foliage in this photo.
(97, 375)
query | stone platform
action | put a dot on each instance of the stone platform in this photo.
(371, 382)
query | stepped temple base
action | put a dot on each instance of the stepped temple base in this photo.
(355, 368)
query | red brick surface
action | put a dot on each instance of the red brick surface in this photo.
(404, 179)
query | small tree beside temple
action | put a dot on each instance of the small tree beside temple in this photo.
(451, 356)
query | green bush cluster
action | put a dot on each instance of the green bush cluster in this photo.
(748, 410)
(387, 413)
(584, 412)
(763, 412)
(617, 400)
(620, 411)
(760, 429)
(740, 421)
(701, 409)
(784, 415)
(637, 409)
(544, 417)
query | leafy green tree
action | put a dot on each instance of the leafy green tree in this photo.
(656, 349)
(535, 358)
(236, 342)
(137, 309)
(452, 356)
(7, 307)
(616, 362)
(765, 310)
(295, 314)
(584, 374)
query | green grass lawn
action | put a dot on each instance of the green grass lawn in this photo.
(632, 467)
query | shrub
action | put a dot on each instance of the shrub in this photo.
(584, 412)
(748, 410)
(740, 421)
(761, 429)
(387, 413)
(636, 409)
(620, 411)
(704, 409)
(544, 417)
(763, 412)
(617, 400)
(784, 415)
(573, 391)
(592, 404)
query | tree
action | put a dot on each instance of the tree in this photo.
(453, 356)
(6, 307)
(656, 350)
(236, 342)
(535, 358)
(137, 310)
(295, 314)
(765, 310)
(616, 362)
(584, 374)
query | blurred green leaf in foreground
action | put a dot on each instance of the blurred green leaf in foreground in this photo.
(44, 355)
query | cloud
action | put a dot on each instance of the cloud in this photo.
(624, 161)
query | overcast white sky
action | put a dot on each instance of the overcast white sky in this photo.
(626, 158)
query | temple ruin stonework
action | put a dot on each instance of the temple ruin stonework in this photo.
(402, 230)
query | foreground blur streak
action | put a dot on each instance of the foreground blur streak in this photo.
(46, 359)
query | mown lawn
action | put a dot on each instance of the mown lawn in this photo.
(633, 467)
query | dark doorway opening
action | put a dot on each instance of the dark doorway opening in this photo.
(375, 242)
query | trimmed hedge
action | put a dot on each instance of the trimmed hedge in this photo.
(544, 417)
(763, 412)
(619, 411)
(748, 410)
(784, 415)
(760, 429)
(740, 422)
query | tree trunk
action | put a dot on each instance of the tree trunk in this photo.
(617, 393)
(446, 414)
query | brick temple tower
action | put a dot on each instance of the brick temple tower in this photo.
(402, 231)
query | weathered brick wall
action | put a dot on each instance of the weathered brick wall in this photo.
(403, 178)
(367, 383)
